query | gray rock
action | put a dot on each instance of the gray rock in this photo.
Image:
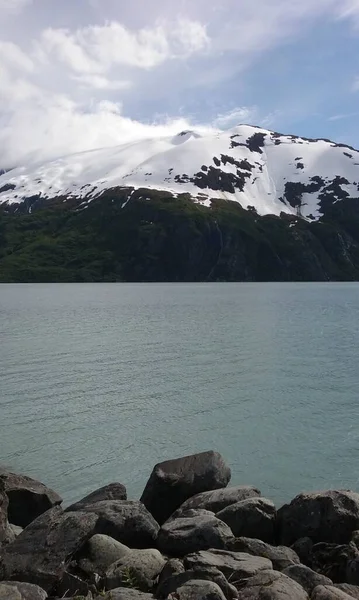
(171, 585)
(138, 568)
(99, 553)
(6, 533)
(112, 491)
(332, 560)
(174, 566)
(15, 590)
(355, 538)
(174, 481)
(126, 521)
(200, 590)
(28, 498)
(123, 593)
(351, 590)
(70, 585)
(327, 592)
(235, 566)
(42, 551)
(216, 500)
(352, 568)
(16, 529)
(330, 516)
(181, 536)
(280, 556)
(254, 517)
(272, 585)
(306, 577)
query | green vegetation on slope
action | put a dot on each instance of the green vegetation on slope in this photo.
(156, 237)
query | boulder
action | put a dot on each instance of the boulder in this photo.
(216, 500)
(28, 498)
(306, 577)
(303, 547)
(7, 535)
(42, 551)
(272, 585)
(16, 529)
(332, 560)
(352, 569)
(351, 590)
(16, 590)
(235, 566)
(254, 517)
(123, 593)
(112, 491)
(328, 592)
(280, 556)
(128, 522)
(199, 590)
(174, 481)
(174, 566)
(71, 585)
(137, 568)
(330, 516)
(171, 585)
(179, 537)
(99, 553)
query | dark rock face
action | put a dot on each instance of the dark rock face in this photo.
(254, 517)
(236, 566)
(271, 585)
(217, 500)
(174, 481)
(307, 578)
(42, 551)
(113, 491)
(281, 556)
(15, 590)
(171, 585)
(126, 521)
(6, 533)
(178, 537)
(174, 566)
(333, 560)
(28, 498)
(324, 517)
(303, 547)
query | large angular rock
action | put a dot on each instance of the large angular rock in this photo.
(41, 553)
(15, 590)
(254, 517)
(128, 522)
(174, 566)
(216, 500)
(272, 585)
(171, 585)
(303, 547)
(347, 588)
(234, 565)
(332, 560)
(28, 498)
(327, 592)
(330, 516)
(178, 537)
(306, 577)
(99, 553)
(174, 481)
(200, 590)
(7, 534)
(112, 491)
(280, 556)
(138, 568)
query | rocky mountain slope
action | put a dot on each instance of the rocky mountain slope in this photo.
(242, 205)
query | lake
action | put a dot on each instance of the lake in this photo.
(98, 382)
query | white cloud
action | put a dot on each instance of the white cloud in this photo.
(237, 116)
(13, 57)
(98, 82)
(12, 6)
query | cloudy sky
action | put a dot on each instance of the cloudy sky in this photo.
(81, 74)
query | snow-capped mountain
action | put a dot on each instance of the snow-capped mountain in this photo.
(258, 168)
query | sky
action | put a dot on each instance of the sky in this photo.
(82, 74)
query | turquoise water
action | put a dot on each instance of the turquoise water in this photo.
(98, 382)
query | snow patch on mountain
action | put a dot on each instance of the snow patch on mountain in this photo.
(271, 172)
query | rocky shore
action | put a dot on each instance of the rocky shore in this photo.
(189, 537)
